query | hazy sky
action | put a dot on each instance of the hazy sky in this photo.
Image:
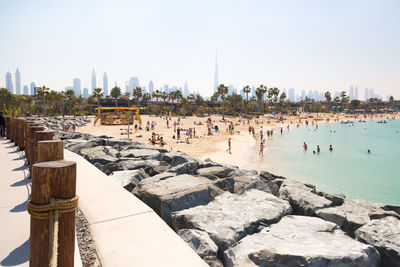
(318, 45)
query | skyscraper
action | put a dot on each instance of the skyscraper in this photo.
(132, 84)
(33, 85)
(351, 93)
(186, 90)
(17, 82)
(303, 94)
(366, 94)
(356, 92)
(291, 95)
(26, 90)
(151, 87)
(77, 86)
(9, 84)
(105, 84)
(216, 74)
(93, 80)
(85, 92)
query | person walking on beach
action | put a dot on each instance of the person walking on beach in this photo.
(2, 125)
(178, 133)
(229, 146)
(261, 149)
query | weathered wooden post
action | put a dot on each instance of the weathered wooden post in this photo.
(27, 126)
(21, 134)
(40, 136)
(31, 141)
(52, 210)
(7, 125)
(15, 130)
(50, 150)
(11, 129)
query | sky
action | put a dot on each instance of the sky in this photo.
(322, 45)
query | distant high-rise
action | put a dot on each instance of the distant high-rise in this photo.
(93, 79)
(356, 92)
(303, 94)
(132, 84)
(9, 83)
(151, 88)
(216, 75)
(371, 93)
(26, 90)
(32, 86)
(85, 92)
(291, 95)
(366, 94)
(351, 93)
(105, 84)
(17, 82)
(77, 86)
(166, 88)
(253, 91)
(186, 90)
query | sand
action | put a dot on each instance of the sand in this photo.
(245, 146)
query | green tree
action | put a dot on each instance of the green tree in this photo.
(5, 98)
(137, 94)
(247, 90)
(98, 94)
(116, 93)
(70, 95)
(260, 91)
(222, 91)
(157, 94)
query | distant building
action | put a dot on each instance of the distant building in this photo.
(17, 82)
(372, 93)
(356, 92)
(216, 75)
(93, 79)
(32, 87)
(366, 94)
(351, 93)
(186, 90)
(151, 88)
(26, 90)
(105, 84)
(166, 88)
(77, 86)
(9, 83)
(86, 92)
(132, 84)
(291, 96)
(253, 91)
(303, 94)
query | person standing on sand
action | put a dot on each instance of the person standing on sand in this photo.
(261, 149)
(178, 133)
(261, 134)
(229, 146)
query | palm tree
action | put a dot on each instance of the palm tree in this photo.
(146, 97)
(70, 94)
(98, 94)
(164, 96)
(116, 93)
(260, 91)
(137, 94)
(247, 90)
(222, 90)
(156, 94)
(42, 92)
(5, 98)
(344, 97)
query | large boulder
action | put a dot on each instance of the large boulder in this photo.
(303, 198)
(99, 154)
(176, 158)
(174, 193)
(132, 164)
(202, 244)
(351, 215)
(189, 167)
(301, 241)
(139, 153)
(78, 146)
(128, 179)
(383, 234)
(215, 171)
(230, 217)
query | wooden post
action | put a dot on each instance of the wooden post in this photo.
(7, 125)
(40, 136)
(10, 128)
(27, 125)
(21, 134)
(15, 130)
(31, 141)
(53, 179)
(50, 150)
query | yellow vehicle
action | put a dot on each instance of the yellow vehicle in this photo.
(116, 115)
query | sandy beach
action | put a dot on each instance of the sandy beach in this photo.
(245, 146)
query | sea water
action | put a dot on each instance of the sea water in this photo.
(348, 169)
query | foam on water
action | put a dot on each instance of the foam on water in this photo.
(349, 169)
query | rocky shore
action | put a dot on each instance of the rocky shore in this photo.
(235, 217)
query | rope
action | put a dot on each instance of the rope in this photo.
(50, 211)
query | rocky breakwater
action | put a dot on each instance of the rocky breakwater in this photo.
(234, 217)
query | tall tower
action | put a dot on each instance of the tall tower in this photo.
(105, 84)
(9, 84)
(216, 74)
(151, 87)
(32, 87)
(17, 82)
(93, 80)
(356, 92)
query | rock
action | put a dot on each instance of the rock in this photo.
(128, 179)
(176, 158)
(132, 164)
(391, 208)
(351, 215)
(117, 142)
(189, 167)
(384, 235)
(303, 199)
(218, 171)
(337, 199)
(154, 170)
(139, 153)
(174, 193)
(82, 145)
(230, 217)
(269, 176)
(301, 241)
(99, 154)
(266, 186)
(202, 244)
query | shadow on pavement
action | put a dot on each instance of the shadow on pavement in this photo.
(17, 256)
(21, 207)
(23, 167)
(22, 182)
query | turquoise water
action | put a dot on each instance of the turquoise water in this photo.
(348, 169)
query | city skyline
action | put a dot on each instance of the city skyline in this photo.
(307, 45)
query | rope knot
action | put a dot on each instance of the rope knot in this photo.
(42, 211)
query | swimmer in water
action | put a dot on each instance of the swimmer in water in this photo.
(305, 146)
(318, 149)
(369, 151)
(330, 148)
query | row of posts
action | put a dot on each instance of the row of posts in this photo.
(52, 177)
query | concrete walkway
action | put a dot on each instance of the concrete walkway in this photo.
(15, 191)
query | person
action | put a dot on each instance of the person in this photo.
(167, 123)
(229, 146)
(262, 134)
(305, 146)
(2, 125)
(369, 151)
(313, 151)
(330, 148)
(178, 133)
(73, 127)
(261, 149)
(318, 149)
